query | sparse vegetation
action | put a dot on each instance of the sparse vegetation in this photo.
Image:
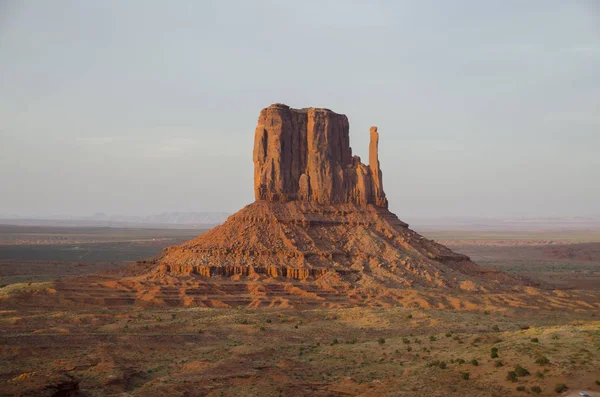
(542, 360)
(511, 376)
(560, 388)
(535, 340)
(520, 371)
(465, 375)
(536, 389)
(381, 341)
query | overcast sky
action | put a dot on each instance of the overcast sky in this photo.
(485, 108)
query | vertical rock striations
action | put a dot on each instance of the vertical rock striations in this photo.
(305, 155)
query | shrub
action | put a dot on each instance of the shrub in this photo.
(520, 388)
(409, 316)
(448, 334)
(498, 364)
(262, 328)
(460, 361)
(520, 371)
(381, 341)
(474, 362)
(335, 341)
(536, 389)
(437, 363)
(432, 338)
(495, 328)
(555, 336)
(494, 355)
(465, 375)
(511, 376)
(542, 360)
(539, 374)
(486, 313)
(535, 340)
(269, 321)
(560, 387)
(494, 350)
(406, 341)
(598, 382)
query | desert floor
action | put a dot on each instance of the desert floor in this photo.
(368, 351)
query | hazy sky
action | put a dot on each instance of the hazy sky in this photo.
(485, 108)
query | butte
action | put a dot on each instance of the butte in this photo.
(319, 231)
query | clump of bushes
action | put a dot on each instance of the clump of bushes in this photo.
(520, 388)
(432, 338)
(494, 352)
(448, 334)
(381, 341)
(465, 375)
(495, 328)
(474, 362)
(542, 360)
(409, 316)
(560, 387)
(437, 363)
(511, 376)
(520, 371)
(498, 364)
(460, 361)
(406, 341)
(536, 389)
(598, 382)
(535, 340)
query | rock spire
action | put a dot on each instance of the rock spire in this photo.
(305, 155)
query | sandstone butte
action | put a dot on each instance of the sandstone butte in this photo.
(319, 233)
(321, 216)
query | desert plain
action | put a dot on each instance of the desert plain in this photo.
(70, 349)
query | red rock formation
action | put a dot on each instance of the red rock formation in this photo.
(305, 154)
(318, 230)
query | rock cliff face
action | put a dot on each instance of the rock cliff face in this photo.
(305, 155)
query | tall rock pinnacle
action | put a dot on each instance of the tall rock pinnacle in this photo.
(305, 155)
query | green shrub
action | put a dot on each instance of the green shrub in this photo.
(536, 389)
(520, 371)
(448, 334)
(598, 382)
(498, 364)
(495, 328)
(432, 338)
(409, 316)
(511, 376)
(539, 374)
(560, 387)
(381, 341)
(555, 336)
(474, 362)
(465, 375)
(494, 350)
(335, 341)
(520, 388)
(535, 340)
(542, 360)
(494, 355)
(406, 341)
(460, 361)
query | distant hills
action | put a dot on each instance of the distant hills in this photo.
(185, 220)
(205, 220)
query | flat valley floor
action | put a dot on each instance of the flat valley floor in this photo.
(364, 351)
